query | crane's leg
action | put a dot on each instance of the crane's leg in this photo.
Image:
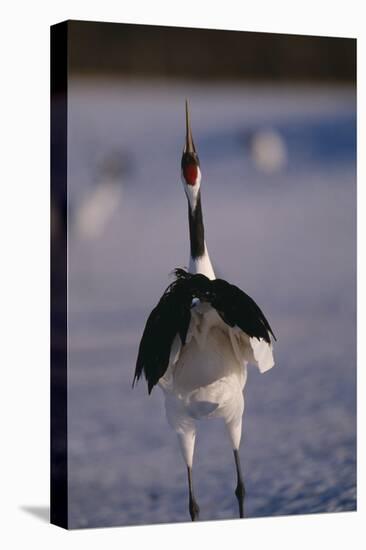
(187, 440)
(234, 429)
(240, 489)
(193, 506)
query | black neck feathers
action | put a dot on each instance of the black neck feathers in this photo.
(196, 229)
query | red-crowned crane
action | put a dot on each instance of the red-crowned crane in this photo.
(199, 339)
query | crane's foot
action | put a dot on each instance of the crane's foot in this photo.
(193, 509)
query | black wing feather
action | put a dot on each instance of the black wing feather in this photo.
(237, 308)
(172, 316)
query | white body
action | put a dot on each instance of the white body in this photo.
(206, 377)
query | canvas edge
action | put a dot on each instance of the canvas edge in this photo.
(58, 282)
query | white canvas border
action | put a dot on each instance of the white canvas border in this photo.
(25, 270)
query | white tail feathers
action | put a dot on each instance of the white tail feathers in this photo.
(262, 354)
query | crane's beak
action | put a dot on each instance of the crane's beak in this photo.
(189, 146)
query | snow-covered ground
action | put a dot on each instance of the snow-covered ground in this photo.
(285, 232)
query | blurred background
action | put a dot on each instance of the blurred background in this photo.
(274, 122)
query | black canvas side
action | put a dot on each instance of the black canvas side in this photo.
(59, 474)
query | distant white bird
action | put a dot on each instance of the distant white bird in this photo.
(199, 339)
(104, 199)
(268, 150)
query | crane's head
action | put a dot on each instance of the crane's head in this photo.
(191, 173)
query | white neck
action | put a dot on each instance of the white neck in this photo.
(202, 264)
